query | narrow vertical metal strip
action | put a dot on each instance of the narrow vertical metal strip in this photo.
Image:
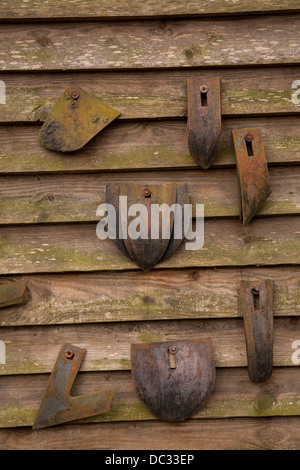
(257, 310)
(252, 171)
(204, 132)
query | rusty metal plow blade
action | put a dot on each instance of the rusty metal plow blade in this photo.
(13, 293)
(57, 405)
(257, 310)
(204, 130)
(173, 379)
(74, 120)
(252, 169)
(147, 252)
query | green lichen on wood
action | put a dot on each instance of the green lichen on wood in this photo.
(262, 406)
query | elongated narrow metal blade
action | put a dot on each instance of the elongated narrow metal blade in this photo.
(204, 130)
(74, 120)
(257, 309)
(175, 378)
(253, 177)
(57, 405)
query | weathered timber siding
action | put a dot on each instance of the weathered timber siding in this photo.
(136, 57)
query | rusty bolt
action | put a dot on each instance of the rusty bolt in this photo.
(204, 88)
(75, 94)
(147, 192)
(173, 350)
(249, 137)
(69, 354)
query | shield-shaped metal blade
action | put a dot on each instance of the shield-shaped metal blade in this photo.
(175, 378)
(156, 243)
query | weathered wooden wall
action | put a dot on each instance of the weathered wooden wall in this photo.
(136, 56)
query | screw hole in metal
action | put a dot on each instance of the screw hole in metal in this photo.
(203, 95)
(248, 139)
(256, 299)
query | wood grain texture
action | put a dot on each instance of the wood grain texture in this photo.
(157, 295)
(75, 198)
(75, 247)
(141, 145)
(278, 433)
(152, 94)
(33, 350)
(257, 40)
(234, 395)
(120, 9)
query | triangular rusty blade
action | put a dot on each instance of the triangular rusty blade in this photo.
(148, 252)
(13, 293)
(257, 309)
(182, 197)
(57, 405)
(204, 130)
(253, 176)
(74, 120)
(175, 378)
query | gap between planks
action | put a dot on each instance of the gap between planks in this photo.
(18, 10)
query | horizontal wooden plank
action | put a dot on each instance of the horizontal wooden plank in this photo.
(33, 350)
(250, 40)
(157, 295)
(277, 433)
(75, 198)
(234, 395)
(142, 145)
(75, 247)
(152, 94)
(120, 9)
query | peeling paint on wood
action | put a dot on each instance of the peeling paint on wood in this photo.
(162, 44)
(108, 9)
